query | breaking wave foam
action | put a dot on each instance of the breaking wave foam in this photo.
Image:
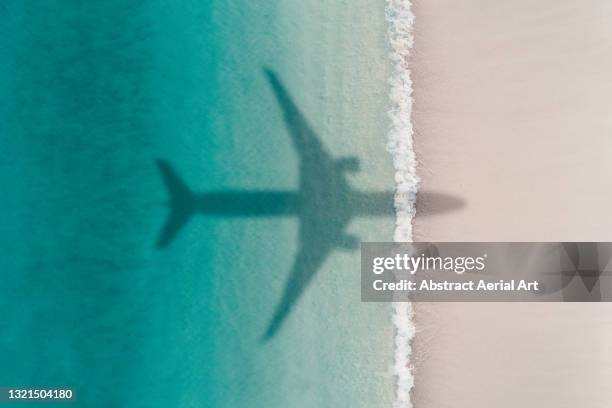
(400, 35)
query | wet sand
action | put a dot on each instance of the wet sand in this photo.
(512, 116)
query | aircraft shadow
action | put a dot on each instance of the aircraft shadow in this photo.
(324, 204)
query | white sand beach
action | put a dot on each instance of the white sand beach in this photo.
(512, 115)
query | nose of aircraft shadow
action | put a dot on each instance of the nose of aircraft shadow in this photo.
(430, 203)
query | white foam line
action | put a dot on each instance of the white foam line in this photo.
(400, 35)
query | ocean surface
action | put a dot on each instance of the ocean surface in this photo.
(93, 95)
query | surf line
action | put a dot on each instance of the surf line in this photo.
(400, 25)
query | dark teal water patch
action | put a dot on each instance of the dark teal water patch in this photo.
(92, 94)
(75, 148)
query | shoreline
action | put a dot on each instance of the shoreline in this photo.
(400, 24)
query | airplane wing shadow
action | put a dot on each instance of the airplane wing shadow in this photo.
(318, 226)
(309, 259)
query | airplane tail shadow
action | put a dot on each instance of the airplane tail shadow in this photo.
(182, 204)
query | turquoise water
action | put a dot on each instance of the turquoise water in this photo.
(92, 95)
